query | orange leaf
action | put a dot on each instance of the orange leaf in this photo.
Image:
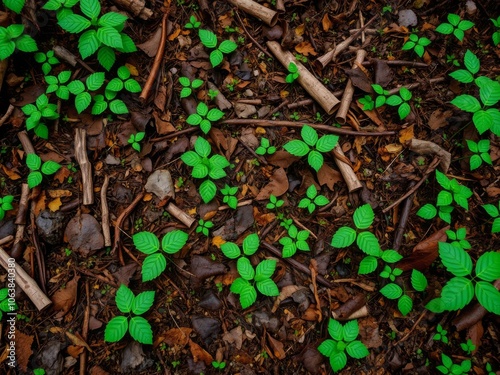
(326, 22)
(175, 34)
(300, 30)
(10, 173)
(55, 204)
(406, 134)
(200, 354)
(218, 241)
(305, 48)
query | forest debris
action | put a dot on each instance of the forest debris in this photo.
(439, 118)
(65, 299)
(277, 347)
(277, 186)
(176, 337)
(136, 7)
(344, 311)
(160, 183)
(200, 354)
(23, 349)
(267, 15)
(234, 337)
(83, 233)
(132, 357)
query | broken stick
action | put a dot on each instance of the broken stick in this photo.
(350, 178)
(85, 166)
(346, 101)
(180, 215)
(267, 15)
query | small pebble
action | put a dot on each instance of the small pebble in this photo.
(407, 17)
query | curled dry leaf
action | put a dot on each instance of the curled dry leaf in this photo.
(277, 347)
(277, 186)
(200, 354)
(23, 349)
(328, 176)
(282, 159)
(65, 299)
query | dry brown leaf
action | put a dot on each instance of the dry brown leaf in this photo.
(150, 46)
(234, 337)
(285, 292)
(218, 241)
(62, 174)
(10, 173)
(263, 219)
(65, 299)
(326, 22)
(77, 340)
(175, 34)
(75, 350)
(328, 176)
(55, 204)
(277, 347)
(299, 30)
(277, 186)
(393, 148)
(23, 349)
(439, 118)
(177, 336)
(305, 48)
(40, 204)
(200, 354)
(96, 370)
(406, 134)
(282, 159)
(59, 193)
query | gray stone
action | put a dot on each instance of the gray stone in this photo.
(51, 226)
(407, 18)
(160, 183)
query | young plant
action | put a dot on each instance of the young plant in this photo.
(296, 240)
(472, 66)
(265, 147)
(41, 109)
(496, 35)
(209, 40)
(450, 59)
(61, 7)
(382, 95)
(104, 34)
(468, 347)
(312, 146)
(229, 194)
(193, 23)
(343, 340)
(155, 262)
(489, 369)
(81, 91)
(448, 367)
(204, 166)
(417, 44)
(188, 86)
(458, 238)
(481, 151)
(128, 303)
(5, 205)
(204, 227)
(123, 81)
(456, 26)
(12, 38)
(441, 335)
(284, 221)
(39, 371)
(7, 304)
(47, 60)
(368, 103)
(313, 199)
(212, 94)
(274, 203)
(293, 73)
(36, 167)
(461, 289)
(57, 84)
(494, 212)
(204, 117)
(14, 5)
(250, 245)
(135, 139)
(401, 100)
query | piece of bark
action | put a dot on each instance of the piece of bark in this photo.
(26, 142)
(350, 178)
(105, 212)
(429, 148)
(306, 79)
(136, 7)
(345, 103)
(267, 15)
(180, 215)
(85, 166)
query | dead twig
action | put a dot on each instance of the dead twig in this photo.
(85, 166)
(267, 15)
(85, 329)
(350, 178)
(7, 114)
(105, 212)
(403, 220)
(346, 100)
(259, 46)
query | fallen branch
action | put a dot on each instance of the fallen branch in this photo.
(26, 142)
(180, 215)
(403, 220)
(7, 114)
(306, 79)
(409, 64)
(267, 15)
(430, 148)
(85, 166)
(105, 212)
(22, 211)
(136, 7)
(71, 59)
(350, 178)
(346, 101)
(257, 44)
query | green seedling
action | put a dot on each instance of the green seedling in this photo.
(312, 146)
(343, 340)
(481, 151)
(138, 327)
(456, 26)
(295, 116)
(274, 203)
(448, 367)
(472, 66)
(293, 73)
(212, 94)
(12, 38)
(284, 221)
(468, 347)
(135, 139)
(450, 59)
(36, 167)
(204, 227)
(368, 103)
(313, 199)
(461, 289)
(188, 86)
(401, 101)
(382, 95)
(193, 23)
(496, 35)
(155, 262)
(265, 147)
(7, 303)
(441, 335)
(229, 194)
(81, 91)
(390, 273)
(387, 9)
(296, 240)
(219, 365)
(204, 117)
(61, 7)
(489, 369)
(417, 44)
(123, 81)
(104, 34)
(209, 40)
(41, 109)
(250, 245)
(14, 5)
(204, 166)
(39, 371)
(5, 205)
(57, 84)
(47, 60)
(494, 212)
(458, 238)
(301, 58)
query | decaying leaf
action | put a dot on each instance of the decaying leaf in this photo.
(277, 186)
(177, 336)
(64, 299)
(200, 354)
(277, 347)
(23, 349)
(439, 118)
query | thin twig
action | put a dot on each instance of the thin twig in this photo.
(259, 46)
(403, 220)
(105, 212)
(7, 114)
(85, 329)
(260, 158)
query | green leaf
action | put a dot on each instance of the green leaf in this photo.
(424, 42)
(251, 243)
(444, 198)
(143, 302)
(248, 296)
(230, 250)
(118, 107)
(391, 256)
(475, 162)
(200, 171)
(91, 8)
(315, 160)
(207, 191)
(197, 83)
(245, 269)
(128, 44)
(185, 92)
(152, 266)
(327, 142)
(309, 135)
(124, 299)
(74, 23)
(174, 241)
(110, 37)
(491, 210)
(265, 270)
(457, 293)
(471, 62)
(95, 81)
(214, 114)
(116, 84)
(418, 280)
(408, 46)
(405, 304)
(490, 94)
(131, 85)
(194, 119)
(368, 243)
(267, 287)
(378, 89)
(106, 57)
(350, 330)
(394, 100)
(338, 361)
(357, 349)
(363, 216)
(483, 145)
(328, 347)
(488, 266)
(207, 38)
(205, 126)
(435, 305)
(404, 110)
(405, 93)
(344, 237)
(76, 87)
(50, 167)
(297, 148)
(391, 291)
(466, 103)
(459, 34)
(82, 101)
(488, 296)
(191, 158)
(335, 330)
(367, 265)
(14, 5)
(146, 242)
(112, 19)
(116, 329)
(443, 180)
(227, 46)
(33, 161)
(216, 58)
(218, 161)
(321, 200)
(455, 259)
(462, 75)
(140, 330)
(445, 28)
(454, 19)
(34, 179)
(472, 145)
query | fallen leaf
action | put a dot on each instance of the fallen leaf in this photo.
(132, 69)
(393, 148)
(263, 219)
(75, 350)
(96, 370)
(218, 241)
(305, 48)
(439, 118)
(10, 173)
(277, 347)
(277, 186)
(299, 30)
(200, 354)
(84, 234)
(359, 79)
(326, 22)
(177, 336)
(40, 204)
(383, 73)
(55, 204)
(282, 159)
(234, 337)
(406, 134)
(328, 176)
(65, 299)
(369, 331)
(23, 349)
(59, 193)
(62, 174)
